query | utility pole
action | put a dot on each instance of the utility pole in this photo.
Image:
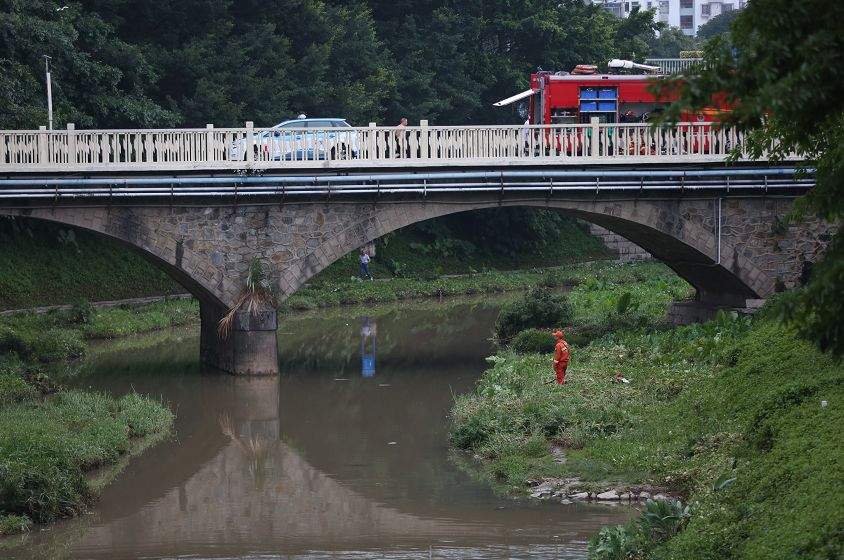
(49, 93)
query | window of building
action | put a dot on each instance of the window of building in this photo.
(726, 8)
(705, 9)
(687, 4)
(687, 22)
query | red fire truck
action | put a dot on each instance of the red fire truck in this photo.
(577, 97)
(570, 100)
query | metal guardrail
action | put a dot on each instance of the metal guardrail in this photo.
(212, 148)
(531, 183)
(673, 65)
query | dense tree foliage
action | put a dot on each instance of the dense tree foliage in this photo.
(671, 42)
(782, 67)
(99, 78)
(191, 62)
(719, 25)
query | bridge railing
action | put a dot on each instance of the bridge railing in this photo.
(674, 65)
(419, 146)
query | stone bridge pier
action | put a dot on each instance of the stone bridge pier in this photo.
(730, 249)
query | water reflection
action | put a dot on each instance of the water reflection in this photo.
(316, 462)
(368, 346)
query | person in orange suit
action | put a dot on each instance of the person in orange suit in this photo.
(561, 357)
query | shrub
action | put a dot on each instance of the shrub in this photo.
(533, 340)
(57, 344)
(81, 312)
(12, 340)
(13, 388)
(11, 524)
(538, 307)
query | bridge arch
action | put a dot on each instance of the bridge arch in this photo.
(676, 238)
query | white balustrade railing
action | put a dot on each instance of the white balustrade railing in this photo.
(373, 146)
(673, 65)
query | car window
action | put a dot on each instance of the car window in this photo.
(341, 124)
(319, 124)
(293, 124)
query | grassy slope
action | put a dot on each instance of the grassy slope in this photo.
(730, 399)
(41, 265)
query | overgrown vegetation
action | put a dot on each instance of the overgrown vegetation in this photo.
(730, 414)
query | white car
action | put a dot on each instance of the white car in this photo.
(301, 140)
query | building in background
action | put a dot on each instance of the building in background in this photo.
(688, 15)
(622, 8)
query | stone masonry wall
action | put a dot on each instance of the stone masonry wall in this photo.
(624, 249)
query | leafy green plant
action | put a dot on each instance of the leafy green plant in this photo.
(81, 312)
(623, 303)
(256, 296)
(612, 543)
(662, 519)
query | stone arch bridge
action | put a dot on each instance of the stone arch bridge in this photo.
(722, 229)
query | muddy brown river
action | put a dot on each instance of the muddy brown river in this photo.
(344, 455)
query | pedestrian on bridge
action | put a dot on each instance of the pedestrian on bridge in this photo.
(561, 356)
(364, 265)
(400, 132)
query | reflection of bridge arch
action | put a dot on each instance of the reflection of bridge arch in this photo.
(725, 245)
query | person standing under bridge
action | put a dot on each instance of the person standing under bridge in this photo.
(364, 265)
(561, 357)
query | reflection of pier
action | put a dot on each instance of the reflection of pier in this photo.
(241, 501)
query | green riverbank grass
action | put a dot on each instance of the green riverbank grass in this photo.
(51, 439)
(728, 414)
(606, 274)
(48, 446)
